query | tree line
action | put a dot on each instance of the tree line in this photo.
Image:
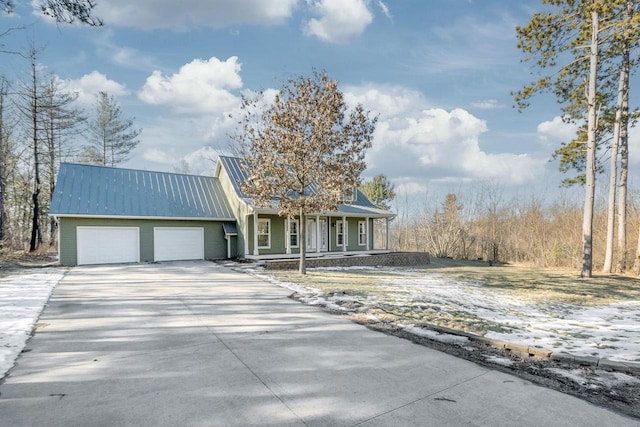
(41, 125)
(485, 225)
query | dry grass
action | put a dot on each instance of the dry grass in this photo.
(374, 288)
(15, 260)
(562, 286)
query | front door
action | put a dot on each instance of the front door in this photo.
(317, 232)
(324, 233)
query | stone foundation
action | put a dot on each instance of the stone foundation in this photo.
(394, 259)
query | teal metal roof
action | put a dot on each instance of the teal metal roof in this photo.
(237, 174)
(86, 190)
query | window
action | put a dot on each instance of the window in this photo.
(293, 233)
(362, 233)
(341, 235)
(264, 233)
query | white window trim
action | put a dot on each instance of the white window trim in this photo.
(345, 234)
(297, 233)
(360, 234)
(268, 221)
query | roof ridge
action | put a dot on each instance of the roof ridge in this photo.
(136, 170)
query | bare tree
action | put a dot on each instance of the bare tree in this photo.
(444, 229)
(305, 152)
(61, 123)
(4, 155)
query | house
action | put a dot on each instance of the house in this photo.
(112, 215)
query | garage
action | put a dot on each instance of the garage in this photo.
(110, 215)
(178, 243)
(107, 245)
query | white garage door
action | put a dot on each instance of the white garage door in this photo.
(107, 245)
(178, 243)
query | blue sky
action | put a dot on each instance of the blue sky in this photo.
(439, 73)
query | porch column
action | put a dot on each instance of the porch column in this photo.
(255, 234)
(345, 233)
(388, 236)
(369, 234)
(287, 235)
(318, 233)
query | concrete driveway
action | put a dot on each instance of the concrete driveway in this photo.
(197, 344)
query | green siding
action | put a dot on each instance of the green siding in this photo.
(240, 210)
(278, 235)
(215, 245)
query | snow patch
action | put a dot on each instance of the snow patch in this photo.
(437, 336)
(499, 360)
(22, 298)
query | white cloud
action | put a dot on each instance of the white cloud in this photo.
(419, 144)
(198, 88)
(554, 132)
(187, 14)
(489, 104)
(385, 10)
(387, 101)
(339, 20)
(155, 155)
(88, 86)
(125, 56)
(202, 161)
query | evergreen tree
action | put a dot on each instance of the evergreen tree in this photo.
(111, 137)
(380, 191)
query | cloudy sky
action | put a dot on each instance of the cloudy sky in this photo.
(438, 73)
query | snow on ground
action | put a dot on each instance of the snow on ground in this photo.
(607, 331)
(22, 298)
(437, 336)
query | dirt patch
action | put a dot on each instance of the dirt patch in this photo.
(12, 262)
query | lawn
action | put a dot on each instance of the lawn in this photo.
(550, 309)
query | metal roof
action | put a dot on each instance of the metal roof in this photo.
(87, 190)
(237, 175)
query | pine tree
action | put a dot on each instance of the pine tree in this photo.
(111, 137)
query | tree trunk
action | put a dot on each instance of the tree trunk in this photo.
(613, 180)
(36, 236)
(3, 160)
(622, 193)
(590, 166)
(624, 153)
(302, 230)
